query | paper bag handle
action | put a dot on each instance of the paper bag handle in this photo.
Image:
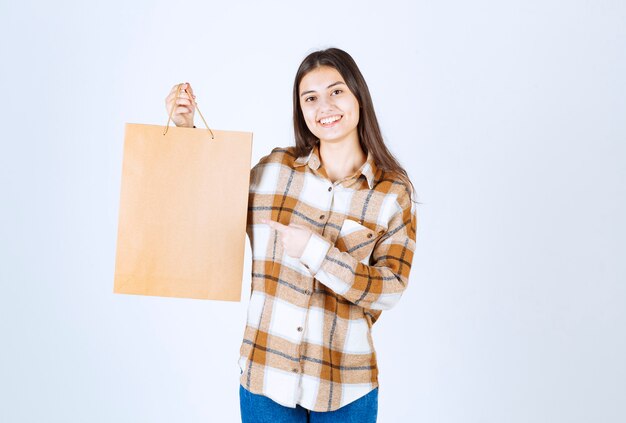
(196, 104)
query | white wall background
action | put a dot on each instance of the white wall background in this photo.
(509, 116)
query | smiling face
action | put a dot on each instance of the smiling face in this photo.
(330, 110)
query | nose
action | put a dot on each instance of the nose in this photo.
(325, 103)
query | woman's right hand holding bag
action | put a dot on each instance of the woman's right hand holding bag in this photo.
(184, 105)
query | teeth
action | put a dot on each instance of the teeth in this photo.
(329, 119)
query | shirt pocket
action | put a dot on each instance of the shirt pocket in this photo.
(356, 240)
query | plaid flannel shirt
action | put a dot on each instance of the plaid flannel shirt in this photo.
(308, 338)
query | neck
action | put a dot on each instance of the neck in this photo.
(341, 160)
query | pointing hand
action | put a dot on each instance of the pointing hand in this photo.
(294, 237)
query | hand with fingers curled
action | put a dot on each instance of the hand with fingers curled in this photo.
(182, 99)
(293, 237)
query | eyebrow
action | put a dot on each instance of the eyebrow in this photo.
(330, 86)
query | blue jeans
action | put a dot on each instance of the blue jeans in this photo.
(260, 409)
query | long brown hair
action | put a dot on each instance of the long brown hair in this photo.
(370, 137)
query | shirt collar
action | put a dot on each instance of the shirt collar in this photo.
(368, 169)
(312, 159)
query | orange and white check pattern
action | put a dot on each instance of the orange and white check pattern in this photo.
(308, 334)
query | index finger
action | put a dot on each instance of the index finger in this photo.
(275, 225)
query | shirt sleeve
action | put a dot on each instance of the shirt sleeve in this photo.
(379, 284)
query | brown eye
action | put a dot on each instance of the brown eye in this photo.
(308, 99)
(337, 92)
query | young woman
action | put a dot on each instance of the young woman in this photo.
(332, 227)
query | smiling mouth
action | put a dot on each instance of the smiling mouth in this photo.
(330, 120)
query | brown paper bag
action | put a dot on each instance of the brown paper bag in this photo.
(183, 209)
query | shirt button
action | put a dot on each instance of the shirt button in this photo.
(330, 189)
(322, 217)
(369, 235)
(300, 329)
